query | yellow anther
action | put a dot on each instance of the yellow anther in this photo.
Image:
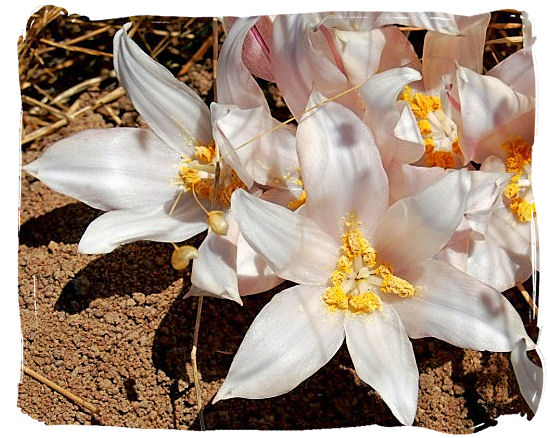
(367, 302)
(335, 298)
(344, 264)
(182, 256)
(425, 127)
(216, 221)
(511, 191)
(354, 243)
(383, 270)
(293, 205)
(188, 176)
(205, 153)
(396, 285)
(523, 210)
(456, 147)
(369, 257)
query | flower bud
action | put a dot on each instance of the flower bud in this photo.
(217, 222)
(182, 256)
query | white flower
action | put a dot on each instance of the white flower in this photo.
(338, 247)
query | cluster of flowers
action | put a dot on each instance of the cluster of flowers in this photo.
(400, 203)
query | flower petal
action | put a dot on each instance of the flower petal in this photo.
(414, 229)
(118, 227)
(293, 245)
(297, 65)
(383, 357)
(406, 180)
(291, 338)
(341, 168)
(502, 258)
(215, 269)
(528, 375)
(380, 94)
(119, 168)
(517, 71)
(442, 52)
(235, 82)
(270, 160)
(486, 104)
(174, 111)
(456, 308)
(254, 274)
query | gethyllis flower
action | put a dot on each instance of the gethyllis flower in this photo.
(365, 272)
(152, 182)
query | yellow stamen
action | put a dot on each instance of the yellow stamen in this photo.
(523, 210)
(367, 302)
(396, 285)
(205, 153)
(335, 298)
(293, 205)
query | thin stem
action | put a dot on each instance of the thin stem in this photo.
(196, 376)
(528, 298)
(71, 396)
(175, 203)
(199, 202)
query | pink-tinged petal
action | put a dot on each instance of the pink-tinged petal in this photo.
(282, 197)
(486, 104)
(383, 357)
(502, 258)
(118, 227)
(442, 52)
(409, 147)
(414, 229)
(517, 71)
(256, 47)
(360, 52)
(293, 245)
(455, 252)
(234, 81)
(528, 375)
(341, 168)
(380, 94)
(398, 51)
(406, 180)
(215, 269)
(291, 338)
(174, 111)
(270, 160)
(297, 65)
(119, 168)
(454, 307)
(254, 274)
(522, 125)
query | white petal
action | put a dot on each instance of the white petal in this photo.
(215, 269)
(380, 93)
(341, 168)
(442, 52)
(414, 229)
(270, 160)
(235, 82)
(174, 111)
(398, 51)
(457, 309)
(528, 375)
(486, 104)
(383, 357)
(406, 180)
(411, 146)
(291, 338)
(293, 245)
(254, 274)
(517, 71)
(118, 227)
(297, 65)
(502, 258)
(119, 168)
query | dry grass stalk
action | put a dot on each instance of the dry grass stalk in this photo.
(527, 297)
(76, 48)
(65, 392)
(198, 55)
(506, 40)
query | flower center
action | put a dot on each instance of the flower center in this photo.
(439, 132)
(198, 174)
(518, 192)
(359, 279)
